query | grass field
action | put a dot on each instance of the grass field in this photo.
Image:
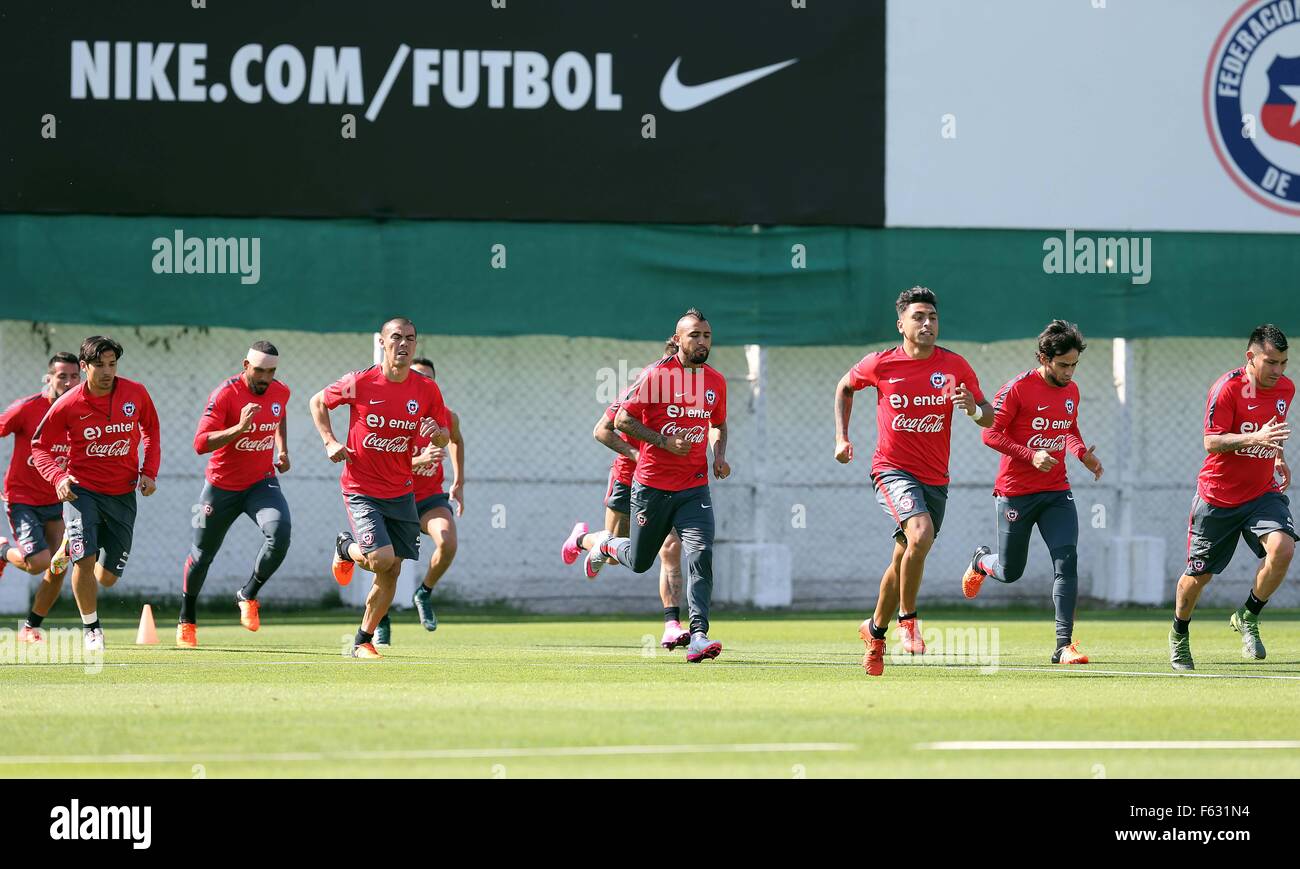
(493, 695)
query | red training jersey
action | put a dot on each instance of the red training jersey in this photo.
(250, 457)
(23, 483)
(914, 409)
(677, 402)
(623, 468)
(104, 434)
(1033, 415)
(428, 480)
(383, 424)
(1237, 406)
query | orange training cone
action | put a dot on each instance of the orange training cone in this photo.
(147, 635)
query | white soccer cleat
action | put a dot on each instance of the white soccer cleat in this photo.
(95, 640)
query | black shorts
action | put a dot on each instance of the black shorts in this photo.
(619, 497)
(1212, 531)
(433, 502)
(902, 496)
(28, 524)
(99, 523)
(380, 522)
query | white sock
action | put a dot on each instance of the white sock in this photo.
(90, 619)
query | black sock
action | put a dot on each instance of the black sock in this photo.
(91, 626)
(1254, 604)
(189, 608)
(1182, 626)
(672, 614)
(876, 633)
(341, 546)
(1062, 642)
(902, 617)
(252, 587)
(33, 620)
(362, 637)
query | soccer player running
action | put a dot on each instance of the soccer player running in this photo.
(1239, 491)
(917, 386)
(618, 497)
(388, 408)
(103, 422)
(1036, 423)
(241, 427)
(32, 505)
(433, 506)
(677, 407)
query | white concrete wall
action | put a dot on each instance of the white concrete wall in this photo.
(527, 407)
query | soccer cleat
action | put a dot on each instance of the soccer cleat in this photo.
(422, 600)
(249, 615)
(1070, 654)
(595, 559)
(1246, 623)
(675, 636)
(570, 550)
(384, 632)
(341, 567)
(59, 561)
(29, 634)
(874, 660)
(365, 650)
(94, 640)
(187, 635)
(974, 577)
(912, 643)
(701, 647)
(1180, 651)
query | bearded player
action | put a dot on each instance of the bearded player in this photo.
(434, 508)
(618, 495)
(1037, 422)
(388, 407)
(31, 504)
(104, 422)
(242, 427)
(678, 405)
(917, 386)
(1239, 491)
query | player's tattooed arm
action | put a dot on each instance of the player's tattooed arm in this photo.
(633, 427)
(843, 410)
(320, 415)
(1271, 434)
(604, 433)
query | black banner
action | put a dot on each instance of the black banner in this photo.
(728, 111)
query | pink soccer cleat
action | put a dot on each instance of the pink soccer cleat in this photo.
(675, 636)
(571, 550)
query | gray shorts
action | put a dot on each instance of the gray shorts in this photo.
(28, 524)
(98, 523)
(380, 522)
(902, 496)
(619, 498)
(1212, 531)
(433, 502)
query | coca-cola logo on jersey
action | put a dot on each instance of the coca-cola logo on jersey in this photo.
(693, 435)
(116, 448)
(255, 445)
(931, 422)
(397, 444)
(1052, 445)
(1257, 451)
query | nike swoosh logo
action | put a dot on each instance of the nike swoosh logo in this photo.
(378, 401)
(1043, 406)
(1069, 497)
(1248, 407)
(708, 506)
(896, 379)
(678, 97)
(85, 416)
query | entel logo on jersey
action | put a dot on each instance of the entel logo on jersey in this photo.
(1252, 101)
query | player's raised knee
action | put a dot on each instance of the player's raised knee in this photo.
(1281, 548)
(39, 562)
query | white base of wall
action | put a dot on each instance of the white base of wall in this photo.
(15, 591)
(753, 574)
(1136, 572)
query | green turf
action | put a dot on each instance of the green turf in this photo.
(494, 682)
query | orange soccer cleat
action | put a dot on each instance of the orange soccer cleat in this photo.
(973, 578)
(874, 660)
(1070, 654)
(365, 650)
(187, 635)
(911, 642)
(248, 613)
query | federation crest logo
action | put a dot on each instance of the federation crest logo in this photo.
(1252, 102)
(640, 518)
(1196, 566)
(412, 406)
(937, 380)
(207, 509)
(129, 408)
(275, 408)
(1069, 405)
(1013, 515)
(1281, 407)
(367, 538)
(710, 396)
(905, 504)
(76, 549)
